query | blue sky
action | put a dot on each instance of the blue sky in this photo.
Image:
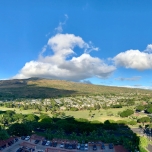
(107, 42)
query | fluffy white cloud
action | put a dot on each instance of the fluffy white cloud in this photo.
(59, 66)
(134, 59)
(149, 48)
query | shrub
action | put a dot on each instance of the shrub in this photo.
(126, 113)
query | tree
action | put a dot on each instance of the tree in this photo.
(18, 117)
(149, 110)
(132, 122)
(140, 108)
(143, 142)
(10, 113)
(143, 120)
(42, 116)
(19, 129)
(126, 113)
(32, 117)
(46, 122)
(3, 134)
(6, 119)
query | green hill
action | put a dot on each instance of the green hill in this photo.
(47, 88)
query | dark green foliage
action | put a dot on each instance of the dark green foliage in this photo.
(140, 108)
(132, 122)
(126, 113)
(149, 110)
(116, 106)
(3, 134)
(19, 129)
(31, 117)
(143, 120)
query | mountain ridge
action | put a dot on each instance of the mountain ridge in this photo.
(48, 88)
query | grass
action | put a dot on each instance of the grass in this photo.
(98, 115)
(101, 115)
(17, 110)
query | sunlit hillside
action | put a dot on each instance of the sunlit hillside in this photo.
(47, 88)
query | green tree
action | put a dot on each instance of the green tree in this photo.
(126, 113)
(143, 142)
(32, 117)
(18, 117)
(132, 122)
(149, 110)
(140, 108)
(143, 120)
(19, 129)
(3, 134)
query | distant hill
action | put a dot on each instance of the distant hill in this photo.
(47, 88)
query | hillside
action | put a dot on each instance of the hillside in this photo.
(47, 88)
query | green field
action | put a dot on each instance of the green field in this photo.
(99, 115)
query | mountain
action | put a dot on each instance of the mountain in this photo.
(47, 88)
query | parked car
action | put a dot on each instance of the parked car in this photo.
(23, 137)
(31, 149)
(82, 147)
(37, 141)
(40, 151)
(19, 150)
(70, 146)
(9, 143)
(47, 143)
(16, 139)
(74, 146)
(27, 138)
(94, 147)
(66, 145)
(86, 147)
(44, 142)
(51, 144)
(62, 145)
(78, 146)
(110, 146)
(54, 144)
(102, 146)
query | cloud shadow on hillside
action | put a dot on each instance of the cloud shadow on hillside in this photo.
(33, 91)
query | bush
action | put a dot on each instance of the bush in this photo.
(141, 149)
(116, 106)
(126, 113)
(143, 120)
(143, 143)
(132, 122)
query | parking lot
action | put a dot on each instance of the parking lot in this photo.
(14, 147)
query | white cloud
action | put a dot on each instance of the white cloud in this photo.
(59, 29)
(135, 78)
(149, 48)
(134, 59)
(138, 86)
(59, 66)
(86, 81)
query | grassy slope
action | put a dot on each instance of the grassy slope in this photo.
(44, 88)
